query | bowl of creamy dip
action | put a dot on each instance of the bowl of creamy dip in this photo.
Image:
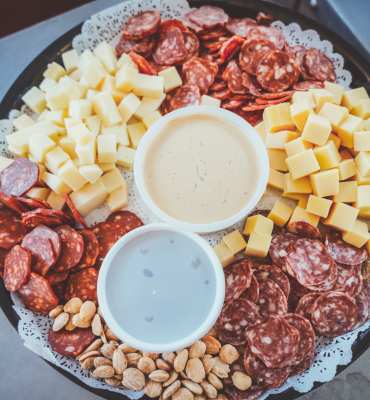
(201, 168)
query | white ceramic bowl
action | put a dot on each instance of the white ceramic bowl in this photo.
(229, 117)
(161, 288)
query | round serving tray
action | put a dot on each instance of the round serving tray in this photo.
(354, 62)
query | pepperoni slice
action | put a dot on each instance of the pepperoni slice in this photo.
(221, 94)
(275, 274)
(12, 231)
(272, 299)
(32, 204)
(184, 96)
(304, 229)
(209, 16)
(334, 314)
(190, 24)
(37, 294)
(271, 34)
(252, 117)
(170, 24)
(349, 277)
(366, 290)
(274, 96)
(229, 49)
(240, 26)
(200, 73)
(170, 48)
(299, 52)
(231, 104)
(306, 85)
(83, 284)
(303, 365)
(319, 66)
(12, 203)
(362, 310)
(56, 277)
(141, 25)
(143, 47)
(43, 231)
(234, 393)
(59, 288)
(279, 248)
(251, 83)
(253, 292)
(191, 44)
(42, 252)
(91, 250)
(305, 304)
(127, 219)
(238, 278)
(157, 67)
(50, 218)
(233, 75)
(252, 52)
(213, 33)
(273, 102)
(144, 68)
(204, 55)
(17, 268)
(265, 20)
(343, 252)
(218, 85)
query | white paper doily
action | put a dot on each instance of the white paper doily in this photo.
(106, 26)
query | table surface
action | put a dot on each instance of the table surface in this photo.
(20, 368)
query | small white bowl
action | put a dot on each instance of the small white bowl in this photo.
(161, 288)
(233, 119)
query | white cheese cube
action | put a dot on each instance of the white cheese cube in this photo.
(146, 108)
(125, 157)
(150, 119)
(46, 84)
(132, 121)
(105, 167)
(38, 193)
(83, 81)
(24, 121)
(4, 163)
(86, 58)
(112, 180)
(107, 146)
(95, 75)
(71, 176)
(76, 75)
(81, 135)
(70, 60)
(126, 60)
(57, 117)
(15, 152)
(106, 108)
(35, 100)
(128, 106)
(209, 101)
(118, 199)
(107, 56)
(80, 109)
(82, 87)
(70, 123)
(91, 172)
(136, 133)
(77, 162)
(42, 116)
(54, 71)
(90, 94)
(59, 96)
(119, 131)
(56, 183)
(171, 78)
(39, 146)
(87, 153)
(126, 79)
(68, 145)
(109, 85)
(148, 85)
(94, 124)
(55, 159)
(32, 157)
(56, 201)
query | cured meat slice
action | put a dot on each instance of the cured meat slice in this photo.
(349, 278)
(190, 24)
(17, 268)
(72, 248)
(127, 219)
(288, 50)
(170, 48)
(43, 231)
(261, 374)
(362, 310)
(255, 107)
(366, 290)
(238, 277)
(12, 231)
(359, 284)
(277, 71)
(231, 104)
(91, 250)
(233, 75)
(3, 254)
(304, 229)
(157, 67)
(50, 218)
(142, 47)
(144, 68)
(275, 274)
(234, 393)
(71, 205)
(126, 46)
(343, 252)
(83, 284)
(303, 365)
(12, 203)
(209, 16)
(251, 83)
(191, 44)
(271, 299)
(170, 24)
(306, 85)
(319, 66)
(37, 295)
(56, 277)
(274, 341)
(253, 292)
(229, 49)
(279, 248)
(218, 85)
(200, 73)
(21, 176)
(59, 289)
(306, 342)
(221, 94)
(42, 252)
(213, 33)
(32, 204)
(70, 343)
(265, 20)
(305, 304)
(273, 96)
(141, 25)
(235, 316)
(334, 314)
(252, 117)
(252, 52)
(271, 34)
(273, 102)
(240, 26)
(184, 96)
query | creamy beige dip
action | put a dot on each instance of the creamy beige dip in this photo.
(201, 170)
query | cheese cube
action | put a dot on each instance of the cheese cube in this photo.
(38, 193)
(87, 58)
(126, 79)
(106, 108)
(336, 90)
(54, 71)
(327, 156)
(70, 60)
(125, 59)
(365, 215)
(56, 201)
(300, 214)
(57, 117)
(77, 162)
(107, 147)
(299, 112)
(346, 129)
(366, 125)
(35, 100)
(301, 185)
(55, 158)
(80, 109)
(345, 155)
(68, 146)
(316, 130)
(209, 101)
(362, 109)
(335, 139)
(303, 200)
(224, 254)
(118, 199)
(351, 98)
(95, 75)
(299, 96)
(318, 206)
(360, 179)
(76, 75)
(276, 179)
(81, 135)
(335, 114)
(4, 163)
(59, 96)
(24, 121)
(112, 180)
(146, 108)
(16, 153)
(325, 183)
(258, 245)
(90, 94)
(125, 157)
(235, 242)
(89, 197)
(277, 118)
(363, 163)
(347, 168)
(87, 153)
(109, 85)
(259, 224)
(46, 84)
(321, 96)
(148, 85)
(171, 78)
(362, 200)
(279, 139)
(32, 157)
(358, 235)
(69, 123)
(132, 121)
(93, 123)
(353, 152)
(90, 172)
(297, 146)
(71, 176)
(39, 146)
(347, 192)
(119, 131)
(136, 132)
(107, 56)
(302, 164)
(56, 183)
(280, 214)
(150, 119)
(128, 106)
(361, 141)
(277, 159)
(106, 167)
(261, 130)
(341, 216)
(42, 116)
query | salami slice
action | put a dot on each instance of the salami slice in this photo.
(229, 49)
(272, 299)
(235, 316)
(170, 48)
(240, 26)
(83, 284)
(12, 231)
(12, 203)
(144, 68)
(251, 83)
(274, 96)
(56, 277)
(231, 104)
(143, 47)
(279, 248)
(252, 117)
(343, 252)
(362, 310)
(50, 218)
(200, 73)
(184, 96)
(304, 229)
(72, 248)
(303, 365)
(288, 50)
(359, 284)
(234, 393)
(271, 34)
(42, 252)
(213, 33)
(191, 44)
(253, 292)
(252, 52)
(190, 24)
(349, 278)
(209, 16)
(218, 85)
(306, 85)
(91, 250)
(73, 208)
(70, 343)
(233, 75)
(334, 314)
(169, 24)
(274, 341)
(43, 231)
(264, 20)
(37, 294)
(32, 204)
(21, 176)
(3, 254)
(305, 304)
(273, 102)
(157, 67)
(238, 278)
(319, 66)
(141, 25)
(366, 290)
(299, 52)
(275, 274)
(221, 94)
(127, 219)
(277, 71)
(17, 268)
(59, 289)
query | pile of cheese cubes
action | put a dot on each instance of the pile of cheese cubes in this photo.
(319, 152)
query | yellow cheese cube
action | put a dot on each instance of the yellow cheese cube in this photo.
(24, 121)
(363, 163)
(366, 125)
(94, 124)
(87, 153)
(59, 96)
(54, 71)
(336, 90)
(71, 176)
(327, 156)
(146, 108)
(107, 56)
(280, 214)
(303, 200)
(35, 100)
(346, 129)
(302, 185)
(258, 245)
(16, 153)
(341, 216)
(209, 101)
(70, 123)
(364, 215)
(119, 131)
(106, 108)
(81, 135)
(297, 146)
(136, 132)
(299, 96)
(316, 130)
(39, 146)
(321, 96)
(259, 224)
(299, 112)
(77, 162)
(91, 196)
(57, 117)
(126, 79)
(277, 159)
(56, 201)
(354, 152)
(42, 116)
(235, 242)
(112, 180)
(360, 179)
(276, 179)
(300, 214)
(347, 168)
(277, 118)
(318, 206)
(68, 146)
(125, 157)
(54, 159)
(107, 147)
(345, 155)
(335, 114)
(80, 109)
(362, 109)
(362, 201)
(224, 254)
(261, 129)
(125, 59)
(325, 183)
(70, 60)
(55, 183)
(128, 106)
(46, 84)
(4, 163)
(150, 119)
(76, 75)
(118, 199)
(95, 75)
(148, 85)
(361, 141)
(132, 121)
(351, 98)
(32, 157)
(109, 85)
(106, 167)
(90, 94)
(171, 78)
(38, 193)
(90, 172)
(335, 139)
(358, 235)
(302, 164)
(347, 192)
(279, 139)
